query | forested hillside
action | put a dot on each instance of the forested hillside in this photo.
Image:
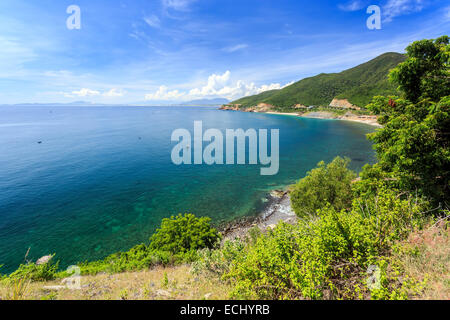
(358, 85)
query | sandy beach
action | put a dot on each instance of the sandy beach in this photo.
(370, 120)
(349, 116)
(284, 113)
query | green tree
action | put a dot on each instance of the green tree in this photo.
(327, 184)
(425, 74)
(185, 233)
(413, 146)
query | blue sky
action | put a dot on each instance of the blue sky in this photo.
(159, 51)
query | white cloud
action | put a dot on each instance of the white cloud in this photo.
(215, 84)
(153, 21)
(58, 74)
(179, 5)
(395, 8)
(236, 48)
(163, 93)
(221, 86)
(390, 9)
(114, 93)
(354, 5)
(85, 93)
(218, 85)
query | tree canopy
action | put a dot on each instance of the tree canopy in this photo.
(413, 145)
(425, 73)
(185, 233)
(328, 184)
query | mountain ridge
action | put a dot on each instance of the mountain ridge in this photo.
(358, 85)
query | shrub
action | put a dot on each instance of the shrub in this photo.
(327, 184)
(218, 261)
(138, 258)
(34, 272)
(326, 256)
(372, 178)
(186, 233)
(176, 242)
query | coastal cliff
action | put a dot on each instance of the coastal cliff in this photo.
(230, 107)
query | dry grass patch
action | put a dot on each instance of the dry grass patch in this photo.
(426, 256)
(174, 283)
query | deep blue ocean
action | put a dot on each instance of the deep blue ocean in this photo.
(85, 182)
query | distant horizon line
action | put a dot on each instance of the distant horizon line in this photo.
(88, 104)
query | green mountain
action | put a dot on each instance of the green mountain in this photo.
(358, 85)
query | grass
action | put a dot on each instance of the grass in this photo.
(16, 290)
(425, 256)
(174, 283)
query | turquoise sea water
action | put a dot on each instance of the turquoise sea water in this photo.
(84, 182)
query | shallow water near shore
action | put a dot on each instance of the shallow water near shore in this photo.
(85, 182)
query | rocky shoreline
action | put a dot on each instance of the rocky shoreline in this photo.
(278, 209)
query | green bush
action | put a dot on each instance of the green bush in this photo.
(372, 178)
(218, 261)
(138, 258)
(327, 184)
(326, 256)
(33, 272)
(186, 233)
(176, 242)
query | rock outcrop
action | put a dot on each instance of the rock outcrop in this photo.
(232, 107)
(343, 104)
(262, 107)
(44, 260)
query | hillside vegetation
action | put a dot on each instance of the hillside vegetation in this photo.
(358, 85)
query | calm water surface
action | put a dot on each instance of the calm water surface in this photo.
(102, 178)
